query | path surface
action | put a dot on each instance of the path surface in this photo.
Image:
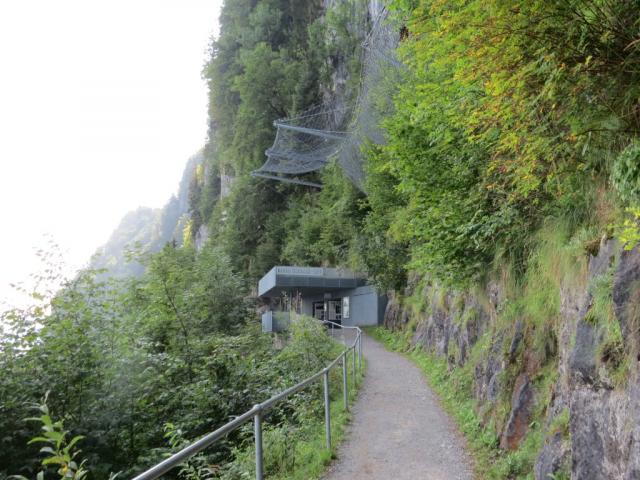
(399, 431)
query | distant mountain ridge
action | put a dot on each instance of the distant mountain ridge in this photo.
(147, 229)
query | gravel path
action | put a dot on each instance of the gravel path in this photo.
(399, 431)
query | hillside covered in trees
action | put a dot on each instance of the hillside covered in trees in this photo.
(501, 214)
(147, 230)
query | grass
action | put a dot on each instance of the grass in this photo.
(298, 452)
(310, 454)
(309, 457)
(454, 389)
(611, 349)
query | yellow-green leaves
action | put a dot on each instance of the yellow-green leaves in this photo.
(59, 452)
(509, 109)
(629, 231)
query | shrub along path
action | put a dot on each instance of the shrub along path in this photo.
(399, 431)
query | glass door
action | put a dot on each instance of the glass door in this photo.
(318, 310)
(334, 313)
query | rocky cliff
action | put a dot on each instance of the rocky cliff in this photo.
(147, 229)
(566, 375)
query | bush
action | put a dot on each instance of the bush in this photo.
(625, 174)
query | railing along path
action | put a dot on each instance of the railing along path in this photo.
(259, 410)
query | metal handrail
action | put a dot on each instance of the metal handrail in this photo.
(258, 411)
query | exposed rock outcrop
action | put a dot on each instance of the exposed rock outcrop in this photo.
(626, 297)
(202, 235)
(591, 423)
(519, 418)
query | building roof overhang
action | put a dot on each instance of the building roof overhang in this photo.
(307, 279)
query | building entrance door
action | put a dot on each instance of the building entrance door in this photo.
(328, 310)
(334, 310)
(318, 310)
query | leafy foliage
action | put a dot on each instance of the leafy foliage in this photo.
(507, 110)
(60, 453)
(274, 59)
(196, 467)
(320, 228)
(125, 358)
(629, 231)
(626, 173)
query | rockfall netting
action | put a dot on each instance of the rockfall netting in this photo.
(323, 133)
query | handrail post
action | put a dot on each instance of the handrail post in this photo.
(345, 391)
(257, 424)
(327, 409)
(360, 349)
(357, 351)
(355, 376)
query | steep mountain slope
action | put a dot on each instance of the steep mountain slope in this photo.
(147, 230)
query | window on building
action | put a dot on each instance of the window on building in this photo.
(345, 307)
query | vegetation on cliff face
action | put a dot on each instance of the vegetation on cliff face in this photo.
(498, 125)
(513, 159)
(273, 61)
(512, 113)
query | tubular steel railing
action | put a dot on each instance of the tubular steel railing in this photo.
(259, 410)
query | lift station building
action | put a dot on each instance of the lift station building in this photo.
(337, 295)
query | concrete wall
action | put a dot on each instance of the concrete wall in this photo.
(275, 321)
(366, 306)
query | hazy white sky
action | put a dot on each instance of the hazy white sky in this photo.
(101, 104)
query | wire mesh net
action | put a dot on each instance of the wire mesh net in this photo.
(324, 133)
(307, 142)
(381, 74)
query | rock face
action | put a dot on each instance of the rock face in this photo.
(519, 418)
(552, 457)
(600, 436)
(582, 361)
(487, 376)
(202, 235)
(604, 426)
(626, 297)
(591, 426)
(226, 184)
(395, 316)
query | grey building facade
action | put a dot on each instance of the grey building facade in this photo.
(338, 295)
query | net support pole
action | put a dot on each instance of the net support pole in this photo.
(311, 131)
(294, 181)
